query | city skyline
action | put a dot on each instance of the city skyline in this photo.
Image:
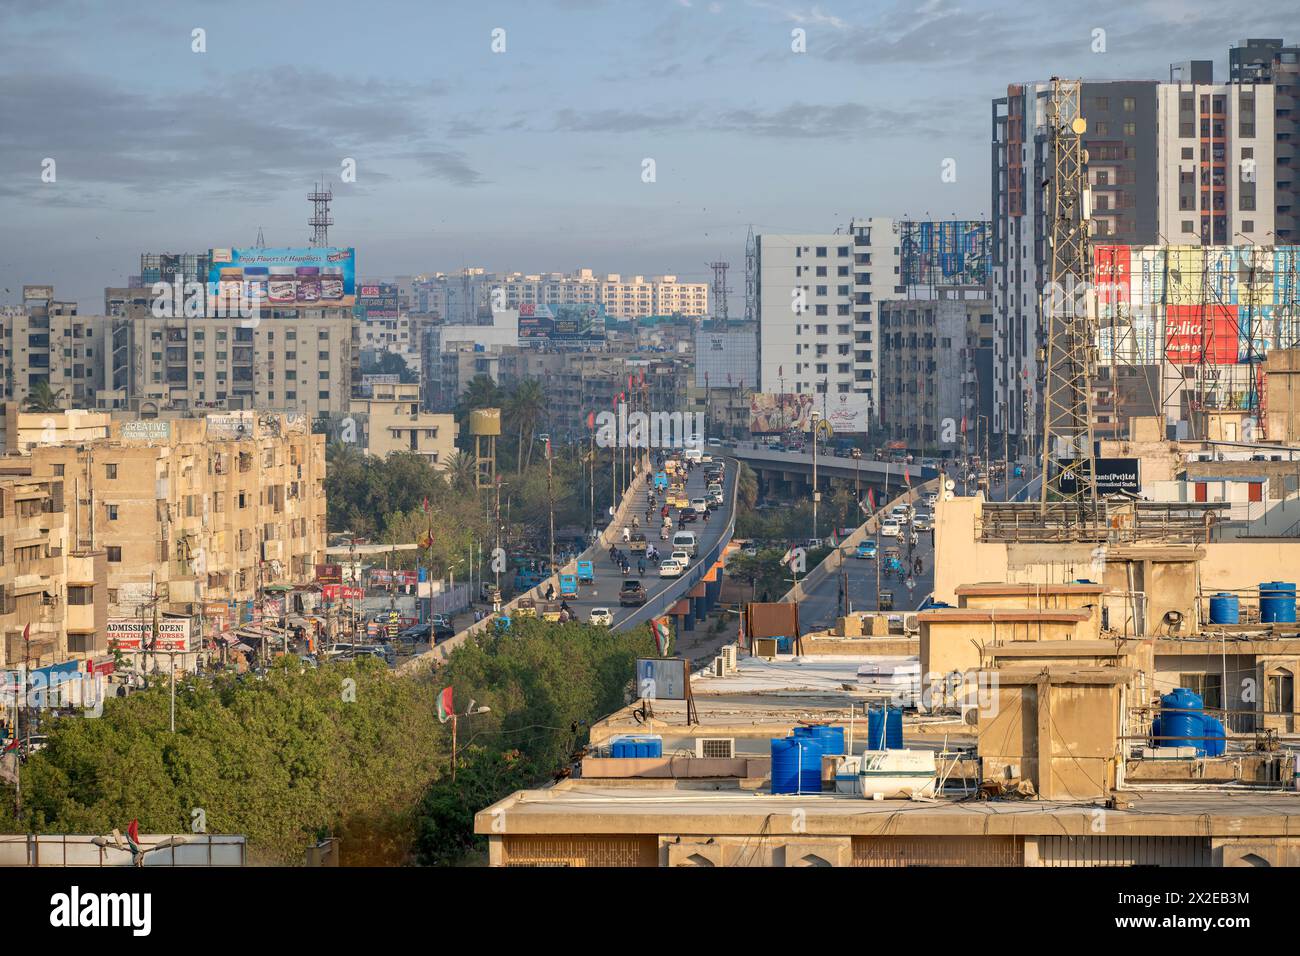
(469, 157)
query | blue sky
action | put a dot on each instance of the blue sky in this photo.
(529, 159)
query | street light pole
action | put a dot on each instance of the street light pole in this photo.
(816, 418)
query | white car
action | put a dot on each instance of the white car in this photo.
(602, 617)
(922, 522)
(671, 569)
(681, 555)
(701, 505)
(890, 528)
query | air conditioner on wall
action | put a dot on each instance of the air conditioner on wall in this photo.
(716, 747)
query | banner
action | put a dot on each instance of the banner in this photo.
(771, 413)
(849, 412)
(131, 634)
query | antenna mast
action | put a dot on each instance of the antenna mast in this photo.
(1069, 308)
(320, 221)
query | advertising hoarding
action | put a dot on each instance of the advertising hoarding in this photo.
(770, 412)
(1196, 333)
(661, 678)
(131, 634)
(1113, 475)
(562, 323)
(849, 413)
(287, 278)
(377, 300)
(948, 252)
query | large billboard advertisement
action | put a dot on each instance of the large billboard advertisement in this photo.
(1221, 305)
(726, 359)
(1113, 476)
(949, 252)
(286, 278)
(570, 322)
(770, 413)
(377, 300)
(849, 413)
(1196, 334)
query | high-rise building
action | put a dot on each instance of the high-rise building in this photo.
(1272, 62)
(817, 296)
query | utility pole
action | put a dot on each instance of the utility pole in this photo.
(550, 500)
(816, 420)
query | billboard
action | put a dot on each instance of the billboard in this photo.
(562, 323)
(377, 300)
(770, 412)
(661, 678)
(1113, 475)
(130, 634)
(849, 412)
(1201, 333)
(286, 278)
(949, 252)
(726, 359)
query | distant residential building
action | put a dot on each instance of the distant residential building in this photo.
(1273, 62)
(391, 418)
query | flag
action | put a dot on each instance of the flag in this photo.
(426, 540)
(907, 476)
(133, 841)
(591, 420)
(963, 424)
(663, 629)
(425, 505)
(871, 498)
(446, 710)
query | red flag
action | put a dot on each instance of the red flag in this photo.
(446, 710)
(963, 424)
(907, 477)
(425, 505)
(871, 498)
(591, 420)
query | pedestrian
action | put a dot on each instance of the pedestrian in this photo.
(627, 533)
(550, 591)
(640, 567)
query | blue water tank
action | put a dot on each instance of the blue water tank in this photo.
(630, 746)
(796, 765)
(1217, 741)
(1181, 720)
(1277, 602)
(830, 738)
(885, 728)
(1225, 608)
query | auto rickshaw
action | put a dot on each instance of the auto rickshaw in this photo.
(526, 607)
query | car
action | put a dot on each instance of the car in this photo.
(602, 617)
(922, 521)
(843, 453)
(688, 515)
(416, 634)
(715, 442)
(750, 549)
(931, 498)
(682, 555)
(701, 505)
(890, 528)
(442, 629)
(632, 594)
(812, 544)
(671, 569)
(866, 551)
(685, 541)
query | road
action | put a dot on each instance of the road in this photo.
(609, 579)
(819, 607)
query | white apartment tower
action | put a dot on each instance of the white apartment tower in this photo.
(817, 299)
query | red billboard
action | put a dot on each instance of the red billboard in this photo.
(1196, 333)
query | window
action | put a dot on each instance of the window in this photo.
(1189, 152)
(112, 512)
(821, 252)
(1209, 687)
(80, 596)
(115, 553)
(1130, 129)
(1130, 104)
(110, 471)
(1279, 692)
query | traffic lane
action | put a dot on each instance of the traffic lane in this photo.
(821, 606)
(609, 579)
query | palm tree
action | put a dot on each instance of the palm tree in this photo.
(42, 398)
(481, 392)
(524, 408)
(460, 471)
(746, 487)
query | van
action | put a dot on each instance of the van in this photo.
(684, 541)
(692, 454)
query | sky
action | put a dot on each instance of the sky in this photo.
(532, 157)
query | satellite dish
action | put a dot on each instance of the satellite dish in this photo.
(1079, 125)
(611, 511)
(947, 496)
(949, 485)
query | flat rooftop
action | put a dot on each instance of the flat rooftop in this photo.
(632, 807)
(807, 675)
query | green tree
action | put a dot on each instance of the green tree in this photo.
(42, 398)
(525, 406)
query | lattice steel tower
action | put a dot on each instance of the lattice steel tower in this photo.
(720, 291)
(320, 220)
(1069, 308)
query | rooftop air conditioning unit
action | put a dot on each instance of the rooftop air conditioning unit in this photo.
(729, 658)
(911, 624)
(716, 747)
(719, 667)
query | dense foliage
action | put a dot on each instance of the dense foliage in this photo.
(297, 755)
